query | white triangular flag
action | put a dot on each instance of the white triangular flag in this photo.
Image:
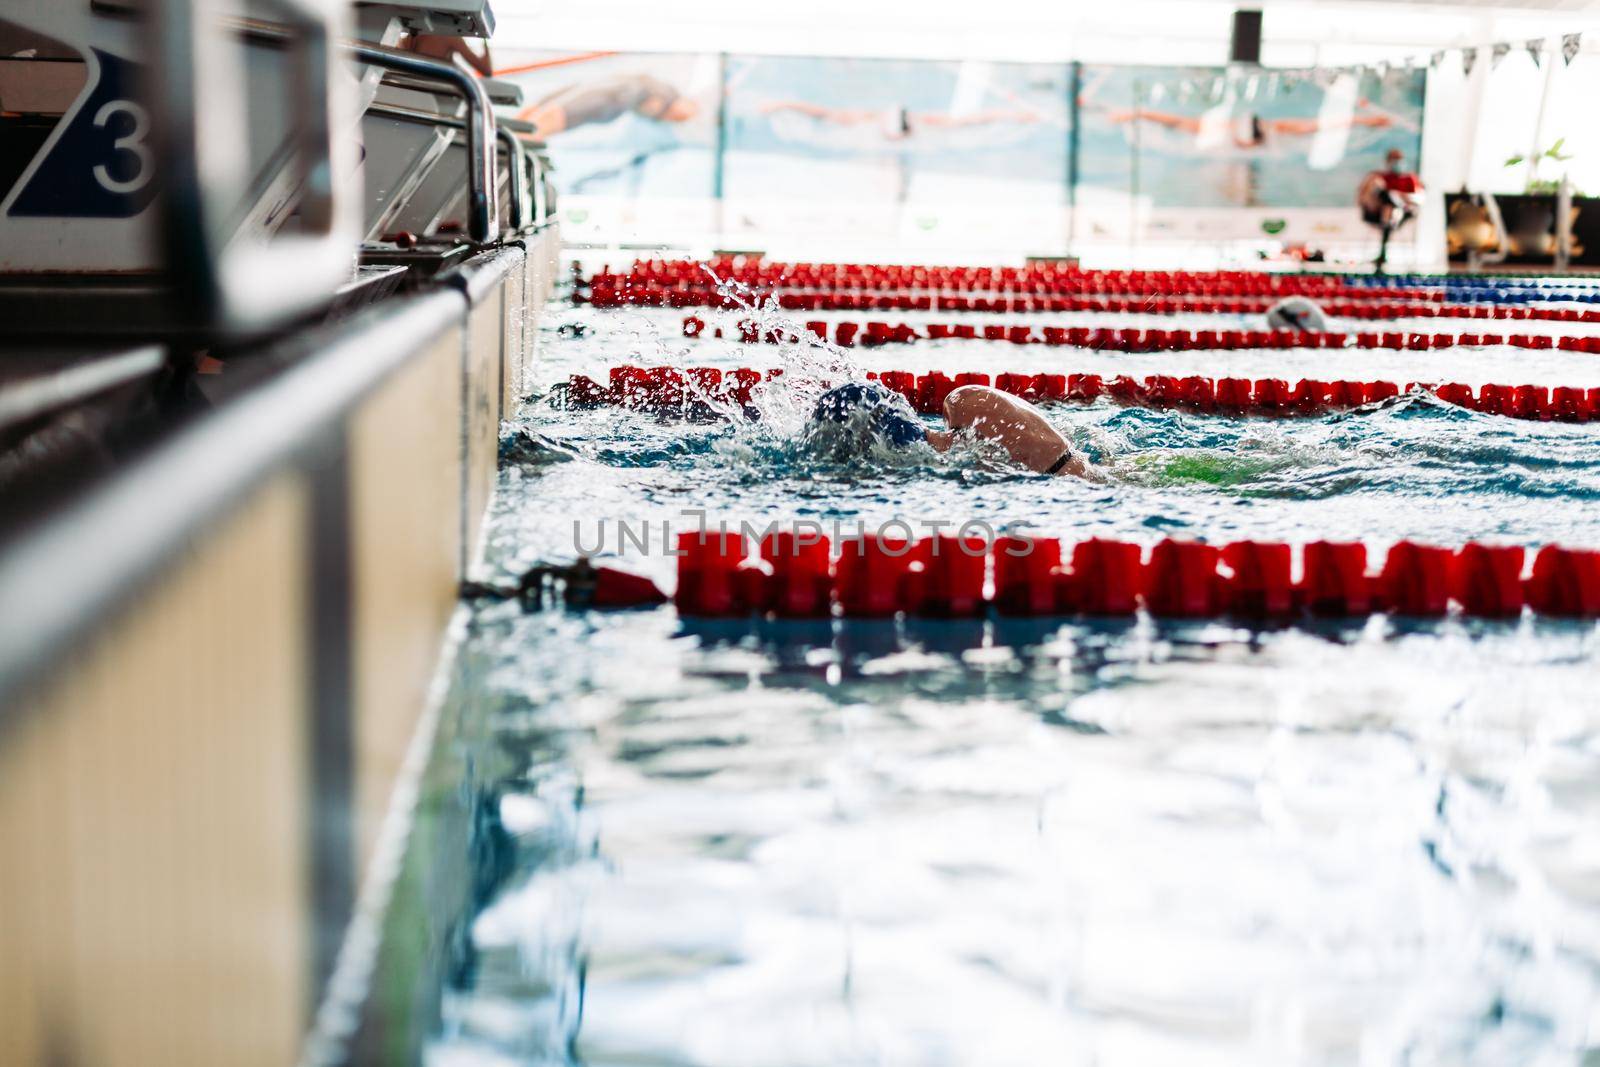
(1570, 43)
(1434, 60)
(1536, 50)
(1469, 56)
(1497, 53)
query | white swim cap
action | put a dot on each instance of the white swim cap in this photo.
(1296, 313)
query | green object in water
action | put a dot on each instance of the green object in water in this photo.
(1212, 469)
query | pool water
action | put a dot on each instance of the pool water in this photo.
(750, 843)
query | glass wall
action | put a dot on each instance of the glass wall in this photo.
(958, 154)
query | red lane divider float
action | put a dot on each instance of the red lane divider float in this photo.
(1035, 278)
(874, 577)
(668, 390)
(874, 334)
(649, 294)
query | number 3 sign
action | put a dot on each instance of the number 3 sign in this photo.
(101, 165)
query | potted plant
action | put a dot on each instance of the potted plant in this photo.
(1530, 218)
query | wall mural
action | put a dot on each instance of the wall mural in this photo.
(958, 152)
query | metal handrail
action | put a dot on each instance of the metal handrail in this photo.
(521, 198)
(541, 209)
(516, 156)
(483, 220)
(250, 286)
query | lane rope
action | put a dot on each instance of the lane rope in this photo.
(695, 392)
(796, 574)
(1065, 279)
(712, 297)
(1105, 339)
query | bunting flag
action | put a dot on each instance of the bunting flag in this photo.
(1236, 85)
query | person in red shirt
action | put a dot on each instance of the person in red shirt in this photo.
(1388, 199)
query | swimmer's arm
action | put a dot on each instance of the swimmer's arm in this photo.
(1012, 423)
(1299, 127)
(843, 116)
(1161, 118)
(979, 118)
(1305, 127)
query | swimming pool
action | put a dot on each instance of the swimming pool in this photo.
(1021, 841)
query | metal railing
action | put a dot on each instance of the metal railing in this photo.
(240, 284)
(483, 220)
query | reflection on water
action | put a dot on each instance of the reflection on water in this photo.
(819, 843)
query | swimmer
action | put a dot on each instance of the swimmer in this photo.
(1297, 313)
(986, 413)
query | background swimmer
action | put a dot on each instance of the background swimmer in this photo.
(1296, 313)
(986, 413)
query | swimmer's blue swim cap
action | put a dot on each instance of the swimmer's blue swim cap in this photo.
(841, 402)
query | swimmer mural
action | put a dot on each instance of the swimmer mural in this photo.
(949, 153)
(1252, 156)
(904, 149)
(633, 138)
